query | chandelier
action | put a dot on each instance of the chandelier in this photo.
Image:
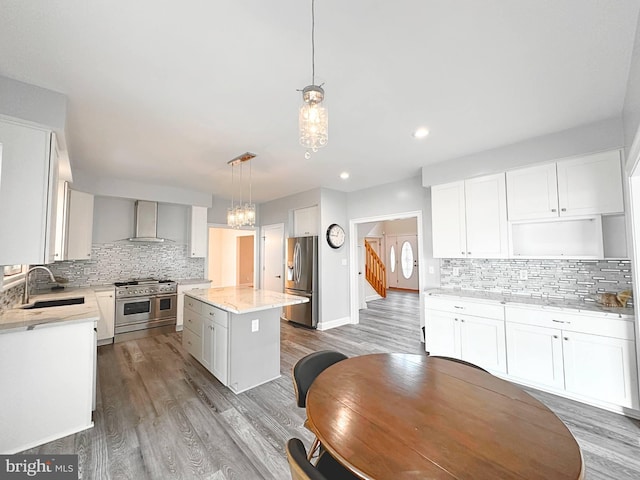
(313, 119)
(241, 215)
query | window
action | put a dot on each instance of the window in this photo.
(12, 275)
(406, 258)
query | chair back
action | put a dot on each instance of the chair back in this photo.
(457, 360)
(308, 368)
(301, 468)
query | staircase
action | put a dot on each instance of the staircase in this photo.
(375, 271)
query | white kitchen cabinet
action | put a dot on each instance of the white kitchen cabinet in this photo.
(107, 308)
(27, 194)
(305, 221)
(180, 303)
(600, 367)
(79, 228)
(470, 331)
(198, 232)
(469, 218)
(448, 220)
(61, 220)
(590, 357)
(218, 355)
(535, 354)
(586, 185)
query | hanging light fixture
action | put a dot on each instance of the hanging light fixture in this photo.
(313, 119)
(241, 215)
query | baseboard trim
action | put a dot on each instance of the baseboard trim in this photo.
(375, 296)
(338, 322)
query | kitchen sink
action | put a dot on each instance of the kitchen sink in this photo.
(54, 303)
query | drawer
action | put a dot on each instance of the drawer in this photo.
(486, 310)
(572, 322)
(193, 304)
(218, 315)
(193, 322)
(192, 343)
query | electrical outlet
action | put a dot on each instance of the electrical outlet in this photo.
(255, 325)
(456, 271)
(523, 275)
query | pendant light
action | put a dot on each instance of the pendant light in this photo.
(241, 215)
(313, 119)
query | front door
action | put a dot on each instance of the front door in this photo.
(402, 258)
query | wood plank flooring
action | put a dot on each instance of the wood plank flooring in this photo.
(161, 415)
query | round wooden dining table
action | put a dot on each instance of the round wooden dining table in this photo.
(397, 416)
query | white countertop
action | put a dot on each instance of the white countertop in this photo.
(244, 299)
(17, 319)
(192, 281)
(567, 306)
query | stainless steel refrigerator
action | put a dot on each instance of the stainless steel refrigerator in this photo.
(301, 278)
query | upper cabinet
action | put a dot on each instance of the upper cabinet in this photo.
(28, 190)
(79, 225)
(305, 221)
(198, 232)
(581, 186)
(469, 218)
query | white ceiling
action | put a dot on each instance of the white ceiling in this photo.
(167, 92)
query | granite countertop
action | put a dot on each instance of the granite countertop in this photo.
(18, 319)
(192, 281)
(567, 306)
(244, 299)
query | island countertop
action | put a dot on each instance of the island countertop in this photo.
(244, 299)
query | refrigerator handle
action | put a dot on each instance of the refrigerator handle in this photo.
(296, 262)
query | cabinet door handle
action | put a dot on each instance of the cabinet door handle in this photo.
(566, 338)
(553, 210)
(560, 321)
(555, 336)
(456, 306)
(462, 253)
(468, 253)
(212, 314)
(563, 209)
(462, 320)
(456, 319)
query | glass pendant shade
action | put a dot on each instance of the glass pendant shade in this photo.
(250, 214)
(313, 119)
(241, 215)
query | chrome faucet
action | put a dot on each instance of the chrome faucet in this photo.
(25, 296)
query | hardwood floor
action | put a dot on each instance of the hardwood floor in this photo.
(161, 415)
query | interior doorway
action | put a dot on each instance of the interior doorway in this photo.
(272, 257)
(402, 262)
(231, 258)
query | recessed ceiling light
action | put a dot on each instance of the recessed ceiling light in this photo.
(344, 175)
(420, 132)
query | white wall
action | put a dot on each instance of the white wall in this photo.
(119, 187)
(223, 253)
(404, 226)
(595, 137)
(631, 112)
(333, 264)
(280, 210)
(34, 104)
(113, 220)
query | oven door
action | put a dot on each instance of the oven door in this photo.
(130, 311)
(165, 306)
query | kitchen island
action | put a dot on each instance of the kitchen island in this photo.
(234, 332)
(47, 370)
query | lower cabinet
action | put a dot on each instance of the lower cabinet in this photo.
(215, 349)
(106, 324)
(476, 339)
(590, 356)
(180, 303)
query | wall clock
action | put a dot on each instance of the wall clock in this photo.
(335, 235)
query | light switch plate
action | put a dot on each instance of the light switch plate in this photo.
(255, 325)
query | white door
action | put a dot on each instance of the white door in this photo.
(407, 271)
(448, 220)
(590, 185)
(272, 257)
(482, 343)
(534, 354)
(442, 334)
(486, 217)
(602, 368)
(532, 192)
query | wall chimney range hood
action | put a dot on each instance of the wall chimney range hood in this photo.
(146, 222)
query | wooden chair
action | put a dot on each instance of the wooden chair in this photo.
(305, 372)
(457, 360)
(327, 467)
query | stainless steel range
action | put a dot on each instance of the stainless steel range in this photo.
(145, 307)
